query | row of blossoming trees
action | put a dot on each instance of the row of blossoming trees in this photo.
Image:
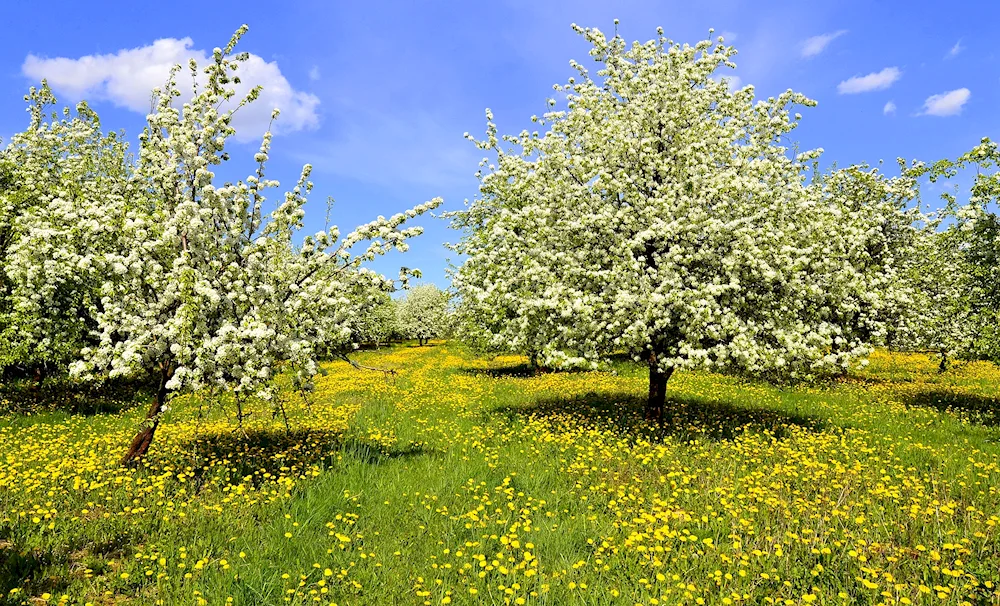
(665, 215)
(660, 213)
(122, 268)
(422, 314)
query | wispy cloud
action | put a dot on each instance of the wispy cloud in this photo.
(126, 78)
(314, 74)
(817, 44)
(873, 81)
(955, 49)
(889, 109)
(946, 104)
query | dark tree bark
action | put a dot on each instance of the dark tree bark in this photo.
(657, 390)
(143, 439)
(943, 366)
(36, 387)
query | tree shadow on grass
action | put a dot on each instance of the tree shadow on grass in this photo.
(212, 461)
(517, 371)
(978, 409)
(259, 456)
(60, 394)
(685, 418)
(525, 370)
(27, 570)
(376, 454)
(520, 371)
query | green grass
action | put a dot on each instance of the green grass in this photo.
(429, 487)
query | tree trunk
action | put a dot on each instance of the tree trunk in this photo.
(143, 439)
(657, 390)
(36, 387)
(533, 361)
(943, 366)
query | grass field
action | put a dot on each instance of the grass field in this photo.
(464, 481)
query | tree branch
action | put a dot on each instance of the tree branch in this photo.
(387, 371)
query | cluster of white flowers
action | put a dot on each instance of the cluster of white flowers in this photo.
(957, 273)
(63, 183)
(939, 315)
(878, 219)
(381, 323)
(423, 313)
(660, 214)
(172, 274)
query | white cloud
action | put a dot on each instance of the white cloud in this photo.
(889, 109)
(734, 82)
(728, 36)
(314, 73)
(126, 78)
(956, 49)
(817, 44)
(873, 81)
(946, 104)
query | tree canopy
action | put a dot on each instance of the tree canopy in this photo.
(152, 267)
(423, 313)
(662, 213)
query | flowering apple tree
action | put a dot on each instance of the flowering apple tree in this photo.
(977, 232)
(423, 313)
(940, 315)
(380, 323)
(879, 240)
(209, 291)
(661, 214)
(64, 185)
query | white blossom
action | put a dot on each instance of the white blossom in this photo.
(423, 313)
(662, 214)
(188, 279)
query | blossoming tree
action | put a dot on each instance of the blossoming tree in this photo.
(939, 316)
(976, 232)
(423, 313)
(380, 324)
(661, 214)
(879, 243)
(207, 289)
(64, 183)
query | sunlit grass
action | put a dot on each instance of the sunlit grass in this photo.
(461, 480)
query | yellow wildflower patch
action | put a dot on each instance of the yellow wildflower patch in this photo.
(461, 480)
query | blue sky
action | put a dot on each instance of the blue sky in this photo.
(376, 94)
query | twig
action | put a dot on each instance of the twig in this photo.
(387, 371)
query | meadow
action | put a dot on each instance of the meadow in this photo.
(463, 480)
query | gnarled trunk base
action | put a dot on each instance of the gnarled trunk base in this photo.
(142, 440)
(140, 443)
